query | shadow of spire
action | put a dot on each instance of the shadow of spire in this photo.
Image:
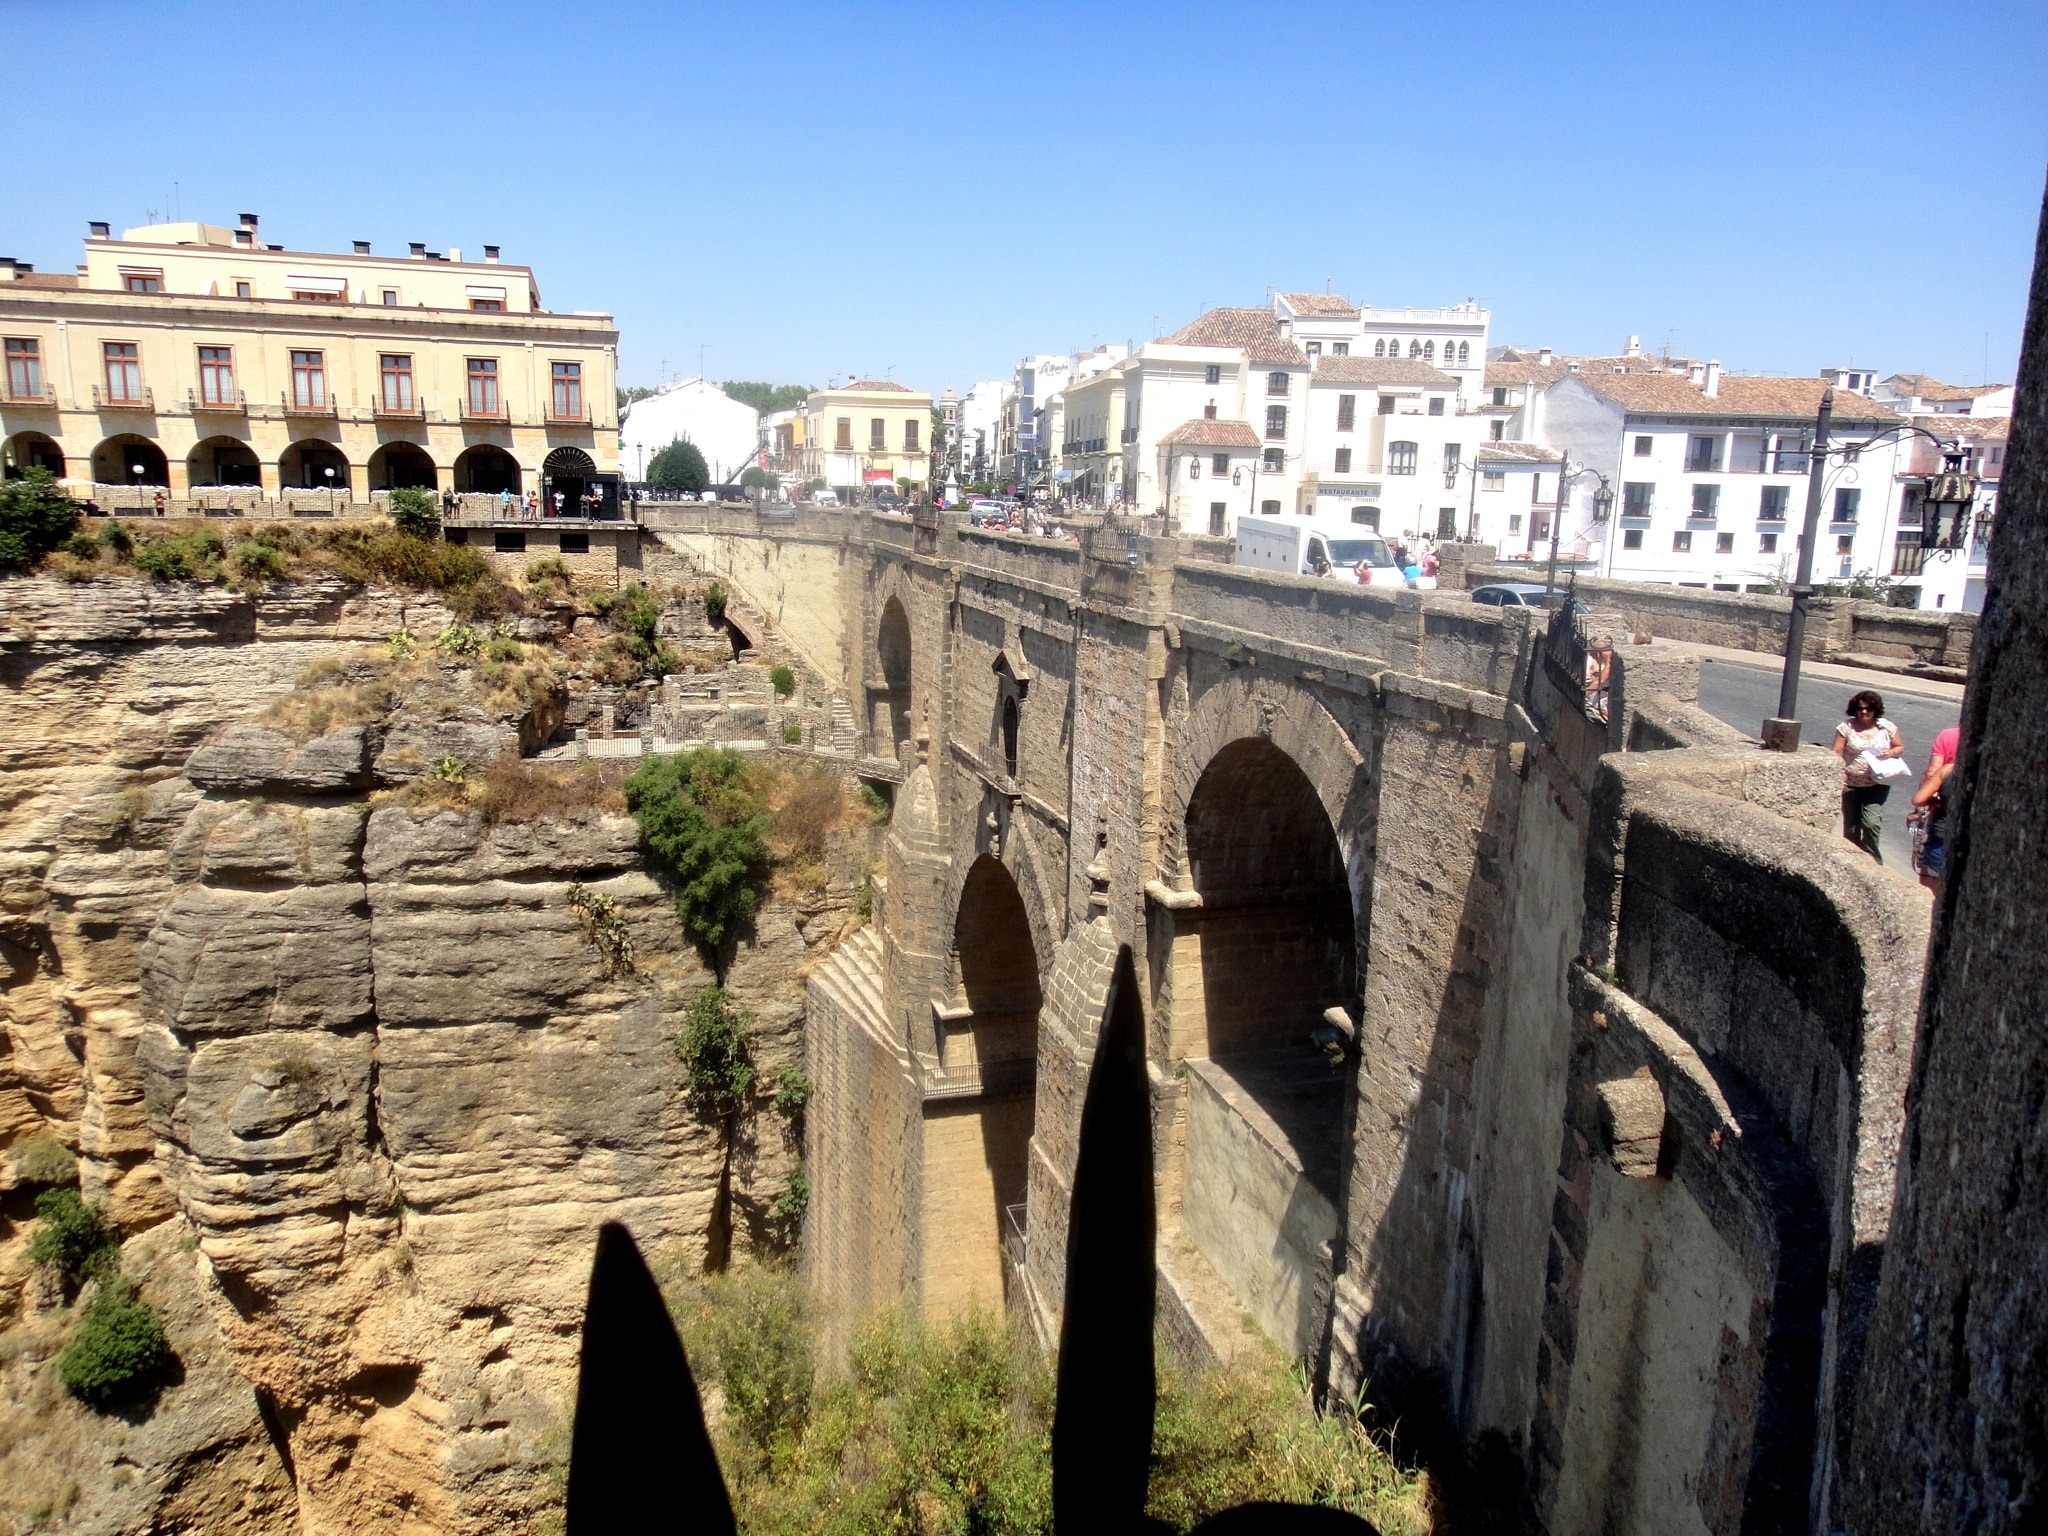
(641, 1459)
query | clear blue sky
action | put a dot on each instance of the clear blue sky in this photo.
(935, 190)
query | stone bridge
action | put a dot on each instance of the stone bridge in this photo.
(1540, 1065)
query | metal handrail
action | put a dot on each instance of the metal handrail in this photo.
(238, 406)
(474, 412)
(324, 407)
(44, 395)
(103, 401)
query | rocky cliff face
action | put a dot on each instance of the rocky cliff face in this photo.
(358, 1054)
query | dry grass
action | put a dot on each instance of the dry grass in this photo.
(805, 806)
(333, 691)
(514, 790)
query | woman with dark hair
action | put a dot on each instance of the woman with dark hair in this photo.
(1864, 741)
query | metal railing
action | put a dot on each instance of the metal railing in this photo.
(44, 396)
(1909, 559)
(102, 401)
(294, 406)
(1014, 1228)
(416, 411)
(200, 406)
(495, 411)
(579, 414)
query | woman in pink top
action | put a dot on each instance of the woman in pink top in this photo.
(1864, 792)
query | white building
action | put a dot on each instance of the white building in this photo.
(725, 431)
(1511, 498)
(1951, 579)
(1709, 477)
(1452, 339)
(981, 426)
(1915, 394)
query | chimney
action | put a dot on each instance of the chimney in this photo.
(246, 239)
(1634, 347)
(362, 247)
(455, 253)
(491, 254)
(1710, 386)
(249, 223)
(100, 230)
(1695, 373)
(1544, 358)
(418, 250)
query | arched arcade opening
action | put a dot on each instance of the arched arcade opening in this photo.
(977, 1132)
(397, 465)
(313, 464)
(31, 450)
(889, 704)
(488, 469)
(130, 459)
(222, 461)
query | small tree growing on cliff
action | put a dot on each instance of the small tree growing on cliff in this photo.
(35, 517)
(413, 511)
(714, 605)
(700, 816)
(718, 1063)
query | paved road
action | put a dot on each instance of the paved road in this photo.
(1745, 696)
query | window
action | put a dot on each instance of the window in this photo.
(1436, 405)
(1702, 455)
(1453, 452)
(1314, 349)
(391, 298)
(1414, 348)
(307, 297)
(1447, 522)
(1366, 517)
(1219, 465)
(510, 540)
(141, 282)
(1276, 383)
(1400, 458)
(216, 376)
(124, 370)
(567, 382)
(1464, 353)
(1632, 538)
(878, 433)
(488, 306)
(1340, 349)
(1772, 507)
(1209, 411)
(24, 367)
(1643, 446)
(1767, 543)
(243, 290)
(483, 385)
(1705, 500)
(1846, 503)
(845, 437)
(1386, 405)
(1218, 513)
(1493, 479)
(575, 543)
(1276, 421)
(394, 372)
(1500, 431)
(1681, 542)
(910, 435)
(1213, 374)
(1845, 544)
(1347, 412)
(1343, 461)
(1274, 460)
(1500, 397)
(1635, 498)
(1269, 509)
(309, 379)
(1724, 543)
(1429, 351)
(1379, 348)
(1515, 523)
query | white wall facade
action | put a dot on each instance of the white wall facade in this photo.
(725, 431)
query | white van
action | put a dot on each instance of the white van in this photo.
(1309, 548)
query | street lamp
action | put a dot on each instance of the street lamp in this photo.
(1603, 505)
(1946, 506)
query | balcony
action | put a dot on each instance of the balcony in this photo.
(42, 398)
(143, 400)
(235, 404)
(384, 409)
(1908, 559)
(474, 409)
(321, 409)
(571, 416)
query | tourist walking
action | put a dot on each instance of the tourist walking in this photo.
(1930, 810)
(1872, 754)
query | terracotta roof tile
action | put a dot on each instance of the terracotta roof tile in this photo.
(1202, 433)
(1982, 429)
(1371, 372)
(1664, 394)
(1332, 306)
(879, 387)
(1524, 373)
(1253, 331)
(1920, 385)
(1517, 453)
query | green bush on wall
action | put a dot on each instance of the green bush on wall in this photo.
(700, 816)
(116, 1347)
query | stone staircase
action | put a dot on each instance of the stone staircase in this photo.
(845, 728)
(851, 976)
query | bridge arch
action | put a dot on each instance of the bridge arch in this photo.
(890, 694)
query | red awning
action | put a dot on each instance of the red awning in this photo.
(878, 477)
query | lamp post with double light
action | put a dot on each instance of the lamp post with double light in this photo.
(1603, 511)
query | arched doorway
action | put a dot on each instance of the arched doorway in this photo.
(312, 464)
(394, 465)
(488, 469)
(977, 1133)
(223, 461)
(890, 705)
(1269, 946)
(31, 450)
(130, 459)
(571, 474)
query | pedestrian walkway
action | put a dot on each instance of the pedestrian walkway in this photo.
(1886, 683)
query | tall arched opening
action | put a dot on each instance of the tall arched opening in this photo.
(130, 459)
(397, 465)
(978, 1109)
(487, 468)
(1267, 949)
(889, 719)
(31, 450)
(222, 461)
(312, 464)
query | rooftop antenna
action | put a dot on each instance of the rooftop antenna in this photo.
(700, 361)
(1326, 283)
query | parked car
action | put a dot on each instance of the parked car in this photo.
(1521, 594)
(825, 496)
(889, 501)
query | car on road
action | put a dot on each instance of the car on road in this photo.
(889, 501)
(1521, 594)
(824, 497)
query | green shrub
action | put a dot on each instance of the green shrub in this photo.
(701, 818)
(716, 1054)
(792, 735)
(43, 1159)
(115, 1349)
(606, 925)
(548, 572)
(783, 681)
(115, 536)
(714, 605)
(459, 640)
(794, 1200)
(875, 804)
(459, 573)
(414, 512)
(82, 546)
(72, 1235)
(449, 770)
(254, 560)
(678, 467)
(194, 556)
(35, 517)
(792, 1091)
(503, 648)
